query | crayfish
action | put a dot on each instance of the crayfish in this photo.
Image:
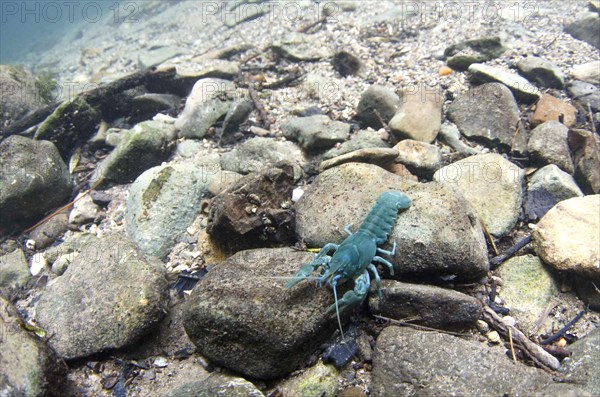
(354, 257)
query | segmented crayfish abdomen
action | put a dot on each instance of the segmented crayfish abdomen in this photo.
(380, 220)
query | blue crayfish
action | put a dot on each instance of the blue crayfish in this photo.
(355, 255)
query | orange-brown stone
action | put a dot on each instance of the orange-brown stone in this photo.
(551, 108)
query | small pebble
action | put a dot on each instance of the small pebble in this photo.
(562, 342)
(482, 326)
(38, 262)
(296, 194)
(493, 337)
(444, 71)
(509, 320)
(160, 362)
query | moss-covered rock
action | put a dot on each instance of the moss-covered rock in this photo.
(71, 124)
(147, 144)
(34, 180)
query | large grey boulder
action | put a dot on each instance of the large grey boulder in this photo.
(163, 202)
(439, 234)
(417, 363)
(107, 299)
(240, 317)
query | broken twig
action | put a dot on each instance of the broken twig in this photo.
(564, 329)
(497, 260)
(259, 107)
(416, 326)
(535, 351)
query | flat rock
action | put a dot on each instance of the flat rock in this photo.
(158, 55)
(541, 71)
(28, 367)
(302, 47)
(421, 158)
(585, 147)
(588, 72)
(548, 145)
(315, 132)
(255, 210)
(72, 123)
(163, 202)
(551, 108)
(419, 115)
(216, 384)
(258, 153)
(587, 29)
(492, 185)
(379, 156)
(14, 271)
(408, 362)
(202, 68)
(207, 103)
(489, 114)
(439, 234)
(147, 144)
(86, 315)
(34, 180)
(522, 89)
(527, 289)
(567, 237)
(240, 317)
(582, 366)
(361, 139)
(585, 93)
(377, 104)
(460, 56)
(548, 186)
(431, 306)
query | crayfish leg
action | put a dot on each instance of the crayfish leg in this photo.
(384, 262)
(373, 270)
(386, 252)
(306, 270)
(326, 248)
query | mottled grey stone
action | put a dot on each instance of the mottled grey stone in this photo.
(489, 114)
(107, 299)
(315, 132)
(408, 362)
(240, 317)
(377, 104)
(548, 186)
(493, 186)
(541, 71)
(548, 145)
(439, 234)
(163, 202)
(428, 305)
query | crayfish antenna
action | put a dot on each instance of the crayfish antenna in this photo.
(337, 310)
